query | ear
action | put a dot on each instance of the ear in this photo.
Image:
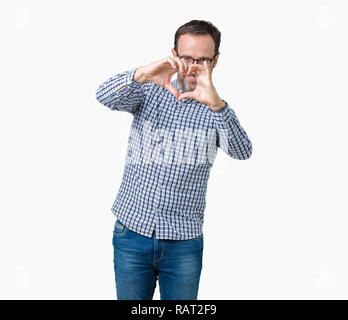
(174, 53)
(215, 60)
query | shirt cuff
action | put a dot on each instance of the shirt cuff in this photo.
(226, 114)
(225, 121)
(222, 109)
(129, 83)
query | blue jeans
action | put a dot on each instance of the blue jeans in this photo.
(139, 261)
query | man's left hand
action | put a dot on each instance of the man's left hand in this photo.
(205, 91)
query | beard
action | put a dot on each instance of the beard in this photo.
(184, 84)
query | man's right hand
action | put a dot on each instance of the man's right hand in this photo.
(161, 73)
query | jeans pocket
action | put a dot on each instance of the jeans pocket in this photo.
(119, 229)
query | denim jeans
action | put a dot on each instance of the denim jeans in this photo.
(139, 261)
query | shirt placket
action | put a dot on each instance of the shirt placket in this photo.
(163, 167)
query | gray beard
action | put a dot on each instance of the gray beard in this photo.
(183, 84)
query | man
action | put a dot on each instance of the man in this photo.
(177, 127)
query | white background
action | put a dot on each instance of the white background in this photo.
(275, 224)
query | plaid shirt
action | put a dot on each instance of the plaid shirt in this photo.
(171, 148)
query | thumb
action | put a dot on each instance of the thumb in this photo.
(173, 90)
(186, 95)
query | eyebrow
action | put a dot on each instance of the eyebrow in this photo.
(197, 58)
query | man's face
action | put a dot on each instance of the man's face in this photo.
(195, 46)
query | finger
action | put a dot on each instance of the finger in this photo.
(186, 95)
(172, 63)
(194, 68)
(172, 89)
(186, 66)
(207, 66)
(181, 65)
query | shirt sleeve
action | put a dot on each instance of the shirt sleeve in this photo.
(231, 137)
(129, 98)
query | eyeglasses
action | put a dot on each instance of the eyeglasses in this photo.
(189, 60)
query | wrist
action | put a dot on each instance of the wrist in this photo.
(139, 75)
(218, 105)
